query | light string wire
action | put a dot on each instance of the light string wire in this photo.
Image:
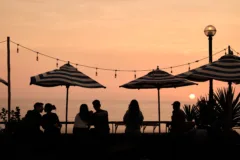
(234, 50)
(109, 69)
(2, 41)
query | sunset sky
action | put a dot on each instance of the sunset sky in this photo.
(114, 34)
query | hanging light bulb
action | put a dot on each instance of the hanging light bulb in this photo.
(115, 73)
(171, 70)
(135, 75)
(37, 56)
(17, 48)
(57, 63)
(96, 72)
(189, 66)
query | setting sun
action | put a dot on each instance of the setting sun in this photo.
(192, 96)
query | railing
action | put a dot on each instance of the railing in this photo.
(154, 124)
(116, 124)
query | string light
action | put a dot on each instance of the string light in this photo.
(3, 41)
(115, 73)
(57, 63)
(17, 48)
(96, 72)
(37, 56)
(135, 75)
(189, 67)
(107, 69)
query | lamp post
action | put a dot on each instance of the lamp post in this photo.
(210, 31)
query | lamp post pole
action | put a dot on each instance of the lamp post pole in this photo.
(210, 31)
(210, 61)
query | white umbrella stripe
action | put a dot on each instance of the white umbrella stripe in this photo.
(55, 81)
(47, 76)
(210, 73)
(79, 74)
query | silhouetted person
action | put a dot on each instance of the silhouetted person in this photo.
(178, 119)
(50, 121)
(82, 121)
(133, 118)
(100, 119)
(32, 120)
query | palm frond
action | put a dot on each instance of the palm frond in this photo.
(225, 97)
(189, 112)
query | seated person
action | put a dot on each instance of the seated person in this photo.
(178, 119)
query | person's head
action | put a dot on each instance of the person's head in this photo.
(83, 108)
(84, 112)
(134, 106)
(38, 107)
(49, 107)
(96, 104)
(176, 105)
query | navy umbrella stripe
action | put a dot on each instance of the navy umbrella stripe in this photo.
(3, 81)
(227, 68)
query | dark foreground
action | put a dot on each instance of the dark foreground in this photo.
(120, 146)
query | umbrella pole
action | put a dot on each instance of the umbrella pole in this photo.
(9, 78)
(229, 120)
(66, 109)
(159, 112)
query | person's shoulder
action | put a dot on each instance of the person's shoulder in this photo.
(54, 114)
(105, 112)
(182, 112)
(29, 112)
(77, 115)
(101, 112)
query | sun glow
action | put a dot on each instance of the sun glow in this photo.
(192, 96)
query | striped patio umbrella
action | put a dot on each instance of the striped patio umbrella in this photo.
(226, 69)
(67, 76)
(3, 81)
(157, 79)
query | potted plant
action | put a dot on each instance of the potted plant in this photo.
(15, 118)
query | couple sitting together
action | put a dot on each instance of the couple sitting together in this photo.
(85, 118)
(133, 119)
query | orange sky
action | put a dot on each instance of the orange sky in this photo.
(116, 34)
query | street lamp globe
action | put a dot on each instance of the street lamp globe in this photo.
(210, 30)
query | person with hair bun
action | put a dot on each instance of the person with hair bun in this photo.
(50, 121)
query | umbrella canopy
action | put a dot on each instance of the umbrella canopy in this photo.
(67, 76)
(157, 79)
(3, 81)
(226, 69)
